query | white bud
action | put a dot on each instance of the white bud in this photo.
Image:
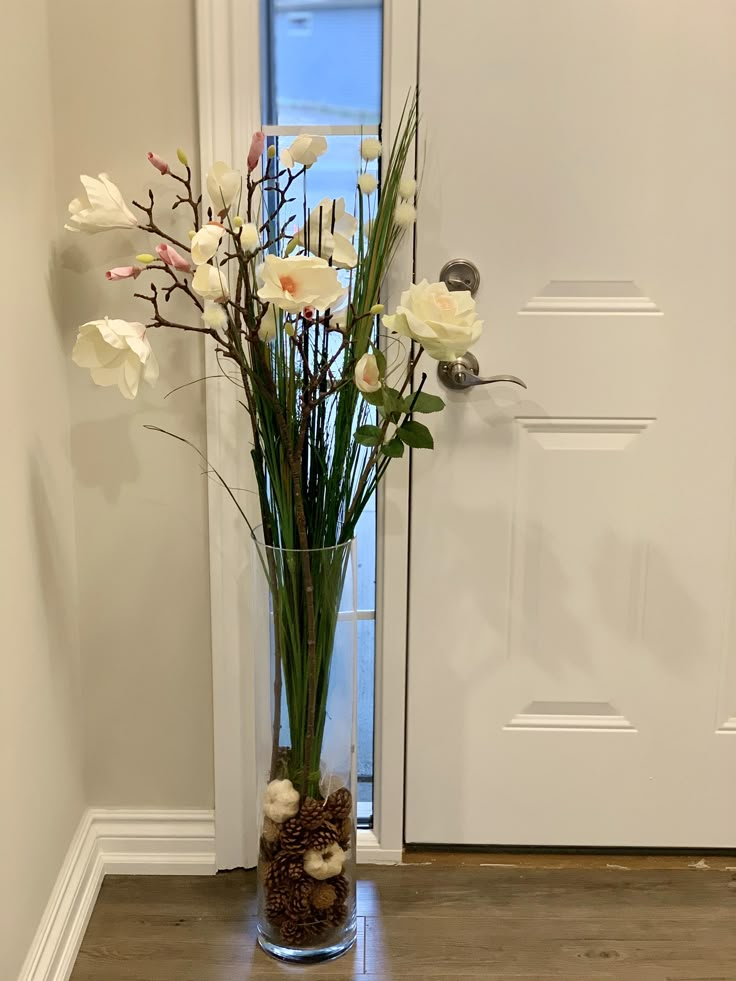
(249, 238)
(405, 214)
(407, 187)
(238, 222)
(214, 315)
(367, 183)
(370, 148)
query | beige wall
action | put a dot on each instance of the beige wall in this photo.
(40, 738)
(124, 83)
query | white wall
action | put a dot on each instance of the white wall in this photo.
(124, 83)
(40, 732)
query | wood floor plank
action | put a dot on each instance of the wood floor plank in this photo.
(434, 923)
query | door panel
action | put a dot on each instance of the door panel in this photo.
(572, 677)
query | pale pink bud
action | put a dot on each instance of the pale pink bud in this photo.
(158, 163)
(256, 149)
(123, 272)
(168, 254)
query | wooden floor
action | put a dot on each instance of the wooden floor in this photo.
(440, 923)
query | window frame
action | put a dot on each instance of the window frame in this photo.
(229, 111)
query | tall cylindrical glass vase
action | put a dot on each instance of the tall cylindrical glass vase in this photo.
(306, 640)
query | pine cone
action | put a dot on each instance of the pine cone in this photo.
(323, 896)
(293, 933)
(293, 837)
(312, 813)
(269, 849)
(341, 886)
(322, 837)
(298, 908)
(281, 869)
(340, 804)
(276, 905)
(345, 833)
(316, 926)
(296, 867)
(337, 915)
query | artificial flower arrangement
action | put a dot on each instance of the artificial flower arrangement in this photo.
(291, 297)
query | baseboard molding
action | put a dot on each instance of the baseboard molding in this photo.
(370, 852)
(117, 841)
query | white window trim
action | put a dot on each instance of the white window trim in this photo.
(229, 111)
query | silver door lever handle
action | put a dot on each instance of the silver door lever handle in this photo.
(464, 372)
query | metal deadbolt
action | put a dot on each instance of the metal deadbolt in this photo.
(460, 274)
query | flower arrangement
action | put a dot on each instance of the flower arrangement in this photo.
(290, 296)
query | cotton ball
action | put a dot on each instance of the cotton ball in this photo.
(323, 863)
(281, 800)
(367, 183)
(407, 187)
(370, 148)
(405, 213)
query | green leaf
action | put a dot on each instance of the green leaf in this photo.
(373, 398)
(392, 401)
(394, 447)
(380, 360)
(416, 435)
(368, 435)
(423, 403)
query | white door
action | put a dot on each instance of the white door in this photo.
(572, 672)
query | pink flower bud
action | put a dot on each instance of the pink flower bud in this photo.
(158, 163)
(123, 272)
(256, 149)
(168, 254)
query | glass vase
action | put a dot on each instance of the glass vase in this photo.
(306, 643)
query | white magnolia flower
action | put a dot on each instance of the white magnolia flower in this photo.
(210, 283)
(367, 183)
(214, 315)
(117, 353)
(304, 150)
(407, 187)
(269, 325)
(250, 238)
(445, 323)
(223, 185)
(206, 242)
(326, 242)
(367, 375)
(104, 209)
(280, 801)
(297, 282)
(370, 148)
(323, 863)
(405, 213)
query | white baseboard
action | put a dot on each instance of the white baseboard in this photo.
(121, 841)
(370, 852)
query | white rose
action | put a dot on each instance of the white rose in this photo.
(206, 242)
(304, 150)
(297, 282)
(210, 283)
(280, 801)
(332, 240)
(104, 209)
(445, 323)
(223, 185)
(367, 375)
(117, 353)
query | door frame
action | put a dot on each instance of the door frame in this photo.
(229, 111)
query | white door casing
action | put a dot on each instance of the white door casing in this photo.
(572, 674)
